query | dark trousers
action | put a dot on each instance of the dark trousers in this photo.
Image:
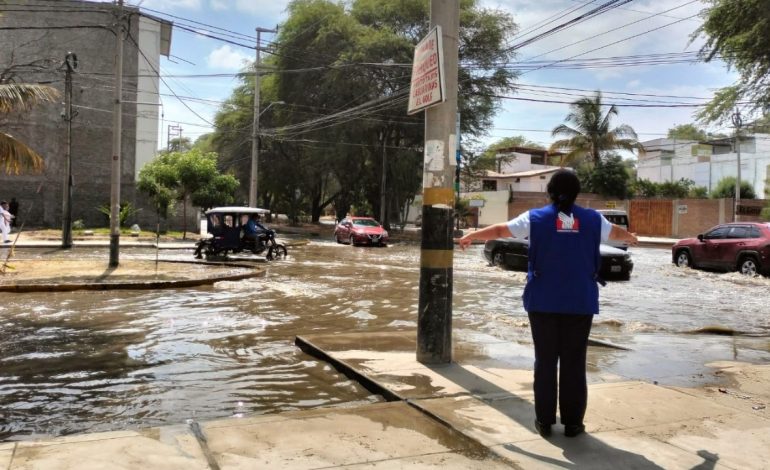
(560, 340)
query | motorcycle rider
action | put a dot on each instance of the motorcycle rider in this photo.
(253, 230)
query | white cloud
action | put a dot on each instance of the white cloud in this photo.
(225, 57)
(218, 5)
(263, 8)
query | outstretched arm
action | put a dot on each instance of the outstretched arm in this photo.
(487, 233)
(620, 234)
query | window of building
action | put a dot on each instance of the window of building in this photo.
(489, 185)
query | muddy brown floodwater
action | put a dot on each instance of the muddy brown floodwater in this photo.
(96, 361)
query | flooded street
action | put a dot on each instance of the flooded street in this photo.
(96, 361)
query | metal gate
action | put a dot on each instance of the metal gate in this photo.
(651, 217)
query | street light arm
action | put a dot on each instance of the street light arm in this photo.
(269, 106)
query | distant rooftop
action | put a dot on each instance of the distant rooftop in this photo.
(522, 174)
(530, 151)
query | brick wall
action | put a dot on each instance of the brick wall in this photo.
(689, 216)
(694, 216)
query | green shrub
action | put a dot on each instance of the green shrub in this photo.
(127, 210)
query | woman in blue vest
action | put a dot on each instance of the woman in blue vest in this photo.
(561, 296)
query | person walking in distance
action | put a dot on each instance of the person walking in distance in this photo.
(561, 295)
(13, 208)
(5, 221)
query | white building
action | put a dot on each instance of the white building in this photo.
(707, 163)
(519, 169)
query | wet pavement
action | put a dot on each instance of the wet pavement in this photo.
(629, 424)
(103, 361)
(466, 415)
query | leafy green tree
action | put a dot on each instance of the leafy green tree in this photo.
(180, 144)
(16, 156)
(692, 132)
(157, 179)
(585, 173)
(676, 189)
(687, 132)
(609, 178)
(698, 192)
(726, 189)
(219, 191)
(204, 143)
(680, 189)
(738, 32)
(589, 134)
(645, 188)
(190, 176)
(349, 56)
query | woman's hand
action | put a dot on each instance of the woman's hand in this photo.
(464, 242)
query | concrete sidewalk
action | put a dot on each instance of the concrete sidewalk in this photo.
(630, 424)
(467, 415)
(659, 242)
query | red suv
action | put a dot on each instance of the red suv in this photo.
(742, 246)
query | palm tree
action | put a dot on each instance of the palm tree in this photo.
(590, 134)
(14, 154)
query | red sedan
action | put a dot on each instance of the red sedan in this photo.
(360, 231)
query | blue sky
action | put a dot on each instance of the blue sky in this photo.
(672, 22)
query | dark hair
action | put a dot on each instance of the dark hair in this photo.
(563, 189)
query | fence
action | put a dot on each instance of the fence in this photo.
(677, 218)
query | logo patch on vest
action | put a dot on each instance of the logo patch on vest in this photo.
(567, 223)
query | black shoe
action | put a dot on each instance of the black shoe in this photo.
(543, 429)
(572, 430)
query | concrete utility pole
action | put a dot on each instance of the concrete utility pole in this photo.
(383, 181)
(434, 318)
(737, 122)
(70, 65)
(255, 125)
(117, 131)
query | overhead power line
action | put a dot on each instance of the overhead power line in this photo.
(552, 19)
(603, 8)
(619, 105)
(571, 44)
(611, 44)
(184, 103)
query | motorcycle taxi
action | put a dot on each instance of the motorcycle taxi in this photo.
(226, 225)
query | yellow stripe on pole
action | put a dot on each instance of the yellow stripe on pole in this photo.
(436, 259)
(433, 196)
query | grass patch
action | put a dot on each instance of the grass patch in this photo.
(105, 232)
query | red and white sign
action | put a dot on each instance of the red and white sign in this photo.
(427, 73)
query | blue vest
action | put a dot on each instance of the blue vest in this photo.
(564, 261)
